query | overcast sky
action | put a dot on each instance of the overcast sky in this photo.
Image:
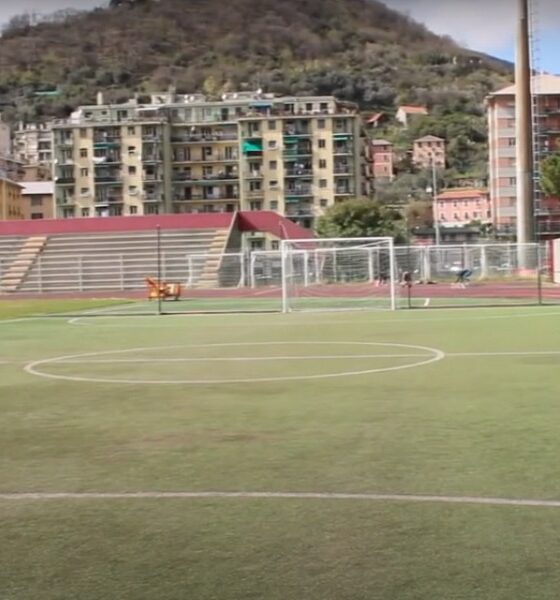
(485, 25)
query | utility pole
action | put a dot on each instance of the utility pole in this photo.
(434, 191)
(524, 133)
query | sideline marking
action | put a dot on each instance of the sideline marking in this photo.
(481, 500)
(125, 321)
(430, 355)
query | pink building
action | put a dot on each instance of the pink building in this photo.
(502, 138)
(429, 150)
(382, 157)
(460, 207)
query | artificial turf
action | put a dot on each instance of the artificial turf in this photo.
(478, 425)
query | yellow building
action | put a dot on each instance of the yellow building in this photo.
(11, 201)
(181, 153)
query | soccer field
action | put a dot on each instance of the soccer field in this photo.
(319, 456)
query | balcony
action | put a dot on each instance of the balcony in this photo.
(108, 179)
(106, 141)
(152, 158)
(215, 158)
(152, 198)
(299, 192)
(206, 198)
(344, 149)
(296, 132)
(300, 152)
(342, 170)
(153, 177)
(202, 139)
(252, 175)
(305, 173)
(65, 180)
(343, 191)
(205, 179)
(254, 194)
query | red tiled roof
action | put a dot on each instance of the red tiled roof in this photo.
(460, 193)
(419, 110)
(374, 118)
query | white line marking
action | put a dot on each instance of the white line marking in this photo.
(496, 354)
(427, 302)
(432, 355)
(241, 358)
(132, 321)
(481, 500)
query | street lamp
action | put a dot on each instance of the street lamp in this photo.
(433, 190)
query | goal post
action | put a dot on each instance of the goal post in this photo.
(338, 274)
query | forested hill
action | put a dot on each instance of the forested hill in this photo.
(356, 49)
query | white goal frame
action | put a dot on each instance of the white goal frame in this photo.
(288, 244)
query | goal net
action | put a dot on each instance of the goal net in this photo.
(338, 274)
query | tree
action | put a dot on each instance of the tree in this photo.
(361, 218)
(550, 175)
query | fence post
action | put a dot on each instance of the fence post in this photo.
(81, 273)
(317, 269)
(483, 262)
(243, 273)
(305, 269)
(40, 273)
(121, 264)
(190, 280)
(252, 278)
(370, 265)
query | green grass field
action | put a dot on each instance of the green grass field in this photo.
(445, 403)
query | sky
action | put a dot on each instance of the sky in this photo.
(484, 25)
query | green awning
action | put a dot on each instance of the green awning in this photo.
(252, 146)
(342, 136)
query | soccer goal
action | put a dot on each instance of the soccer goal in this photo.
(338, 274)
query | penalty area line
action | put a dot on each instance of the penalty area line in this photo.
(412, 498)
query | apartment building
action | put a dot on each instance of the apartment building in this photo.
(429, 151)
(462, 206)
(32, 143)
(184, 153)
(11, 203)
(37, 199)
(503, 153)
(381, 157)
(5, 139)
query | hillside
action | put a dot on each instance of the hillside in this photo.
(357, 49)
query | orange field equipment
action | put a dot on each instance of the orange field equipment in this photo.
(162, 289)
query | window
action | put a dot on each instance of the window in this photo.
(132, 170)
(272, 145)
(85, 212)
(133, 210)
(321, 123)
(37, 201)
(323, 202)
(84, 172)
(132, 189)
(271, 125)
(322, 164)
(131, 151)
(83, 133)
(131, 130)
(467, 216)
(84, 191)
(513, 180)
(274, 205)
(257, 205)
(309, 107)
(273, 165)
(152, 209)
(255, 186)
(324, 107)
(273, 184)
(511, 141)
(36, 216)
(322, 143)
(83, 152)
(323, 183)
